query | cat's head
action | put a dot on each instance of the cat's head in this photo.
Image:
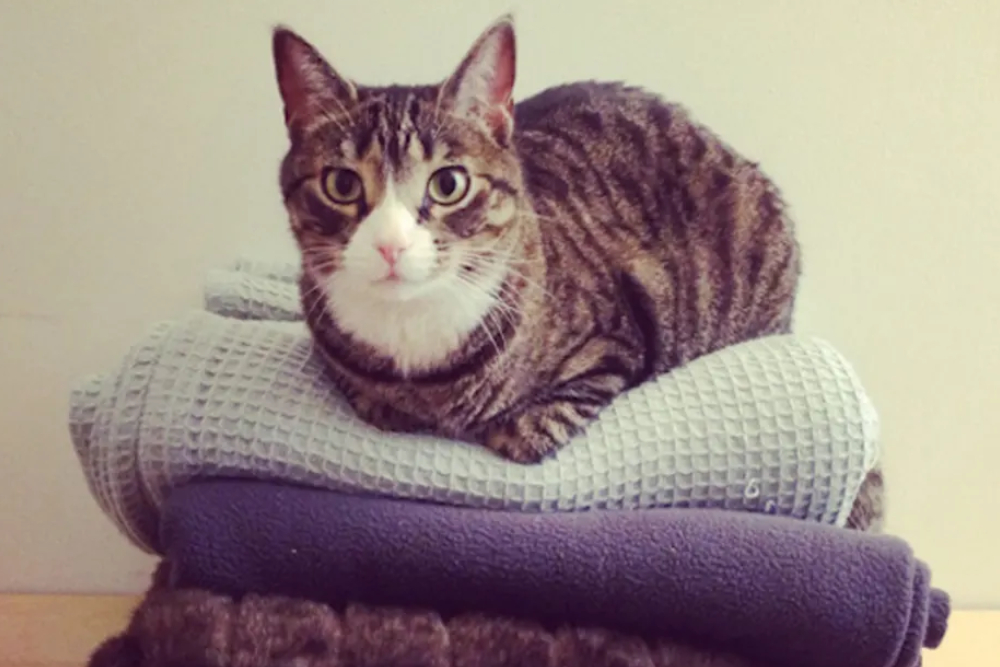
(399, 193)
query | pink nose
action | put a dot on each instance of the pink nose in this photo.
(390, 253)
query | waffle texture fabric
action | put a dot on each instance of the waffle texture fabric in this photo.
(778, 425)
(254, 289)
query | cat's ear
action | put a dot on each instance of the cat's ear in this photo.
(309, 86)
(483, 84)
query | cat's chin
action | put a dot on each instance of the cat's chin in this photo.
(418, 324)
(385, 290)
(398, 290)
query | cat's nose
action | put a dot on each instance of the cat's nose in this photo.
(390, 252)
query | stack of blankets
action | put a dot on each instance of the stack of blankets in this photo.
(725, 514)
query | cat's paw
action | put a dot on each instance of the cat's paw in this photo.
(527, 448)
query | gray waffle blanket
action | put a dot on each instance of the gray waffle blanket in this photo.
(779, 425)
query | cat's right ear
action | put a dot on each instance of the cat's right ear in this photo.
(310, 88)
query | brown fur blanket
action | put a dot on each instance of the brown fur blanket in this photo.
(195, 628)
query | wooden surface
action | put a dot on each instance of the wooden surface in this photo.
(57, 630)
(62, 630)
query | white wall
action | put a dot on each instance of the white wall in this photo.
(139, 146)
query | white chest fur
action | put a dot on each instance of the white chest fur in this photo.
(418, 333)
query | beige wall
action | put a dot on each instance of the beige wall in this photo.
(139, 144)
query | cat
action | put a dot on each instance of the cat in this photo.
(499, 273)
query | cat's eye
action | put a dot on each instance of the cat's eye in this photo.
(448, 185)
(342, 186)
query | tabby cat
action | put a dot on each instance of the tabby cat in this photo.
(498, 273)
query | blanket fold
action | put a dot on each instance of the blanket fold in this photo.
(779, 591)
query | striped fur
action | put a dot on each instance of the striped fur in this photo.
(606, 238)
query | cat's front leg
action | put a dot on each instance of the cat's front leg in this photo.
(383, 416)
(539, 430)
(586, 383)
(534, 434)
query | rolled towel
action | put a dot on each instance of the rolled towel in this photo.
(251, 297)
(778, 591)
(286, 270)
(254, 289)
(776, 425)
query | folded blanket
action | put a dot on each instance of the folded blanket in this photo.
(777, 425)
(779, 591)
(198, 627)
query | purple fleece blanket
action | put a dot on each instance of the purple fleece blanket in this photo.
(773, 589)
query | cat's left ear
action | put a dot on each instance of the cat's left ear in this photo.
(483, 84)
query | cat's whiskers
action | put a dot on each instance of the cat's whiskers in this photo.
(317, 269)
(494, 315)
(326, 264)
(501, 310)
(486, 323)
(502, 344)
(318, 306)
(318, 309)
(318, 287)
(508, 265)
